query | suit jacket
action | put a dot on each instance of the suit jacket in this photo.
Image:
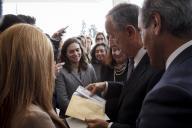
(132, 93)
(66, 83)
(169, 103)
(98, 67)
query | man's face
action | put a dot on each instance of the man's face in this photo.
(151, 42)
(120, 37)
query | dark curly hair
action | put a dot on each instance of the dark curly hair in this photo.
(93, 57)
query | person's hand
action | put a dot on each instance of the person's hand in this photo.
(58, 67)
(96, 123)
(96, 87)
(58, 34)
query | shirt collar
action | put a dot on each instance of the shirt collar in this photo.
(139, 56)
(177, 52)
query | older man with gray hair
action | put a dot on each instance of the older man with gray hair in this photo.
(122, 27)
(166, 30)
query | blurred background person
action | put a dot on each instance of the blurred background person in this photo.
(98, 57)
(117, 64)
(116, 70)
(57, 43)
(9, 20)
(89, 43)
(100, 38)
(28, 19)
(26, 79)
(82, 39)
(76, 71)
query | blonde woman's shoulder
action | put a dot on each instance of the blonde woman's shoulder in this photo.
(35, 117)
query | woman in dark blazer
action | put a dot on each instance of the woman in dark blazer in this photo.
(76, 71)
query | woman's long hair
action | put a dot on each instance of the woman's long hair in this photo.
(94, 60)
(83, 64)
(26, 73)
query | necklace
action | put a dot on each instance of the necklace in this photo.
(119, 70)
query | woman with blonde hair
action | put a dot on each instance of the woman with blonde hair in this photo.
(26, 79)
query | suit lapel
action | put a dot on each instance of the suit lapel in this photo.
(134, 78)
(77, 79)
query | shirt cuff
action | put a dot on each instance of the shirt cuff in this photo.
(109, 125)
(105, 90)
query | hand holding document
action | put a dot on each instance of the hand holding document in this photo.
(83, 106)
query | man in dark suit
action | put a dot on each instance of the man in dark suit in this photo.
(166, 27)
(121, 27)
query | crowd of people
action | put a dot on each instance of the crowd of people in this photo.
(141, 67)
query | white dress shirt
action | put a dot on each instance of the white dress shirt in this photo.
(177, 52)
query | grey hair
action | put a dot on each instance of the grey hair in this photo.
(123, 14)
(176, 15)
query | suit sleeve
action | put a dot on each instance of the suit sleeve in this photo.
(155, 77)
(61, 92)
(119, 125)
(114, 89)
(167, 107)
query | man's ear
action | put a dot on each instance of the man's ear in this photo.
(156, 23)
(130, 31)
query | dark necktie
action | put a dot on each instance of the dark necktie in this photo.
(130, 67)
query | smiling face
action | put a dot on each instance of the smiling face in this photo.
(100, 53)
(123, 38)
(118, 55)
(74, 53)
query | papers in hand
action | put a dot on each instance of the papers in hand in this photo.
(82, 105)
(81, 91)
(75, 123)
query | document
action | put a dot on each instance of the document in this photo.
(83, 106)
(75, 123)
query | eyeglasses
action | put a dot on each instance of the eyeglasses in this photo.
(99, 38)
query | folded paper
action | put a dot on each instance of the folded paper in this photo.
(85, 108)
